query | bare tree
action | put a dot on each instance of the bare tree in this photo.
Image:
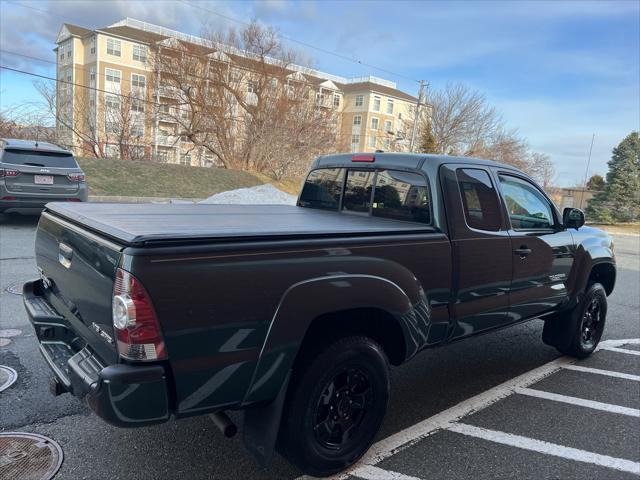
(461, 121)
(237, 99)
(76, 125)
(541, 168)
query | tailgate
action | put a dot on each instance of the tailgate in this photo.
(79, 270)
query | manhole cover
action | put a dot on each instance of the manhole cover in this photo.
(10, 332)
(15, 288)
(28, 456)
(7, 377)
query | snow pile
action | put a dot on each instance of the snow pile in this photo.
(261, 195)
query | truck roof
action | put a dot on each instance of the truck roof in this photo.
(136, 224)
(407, 160)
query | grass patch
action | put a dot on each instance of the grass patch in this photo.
(148, 179)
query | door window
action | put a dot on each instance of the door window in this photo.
(527, 206)
(479, 199)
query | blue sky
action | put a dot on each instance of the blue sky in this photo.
(558, 71)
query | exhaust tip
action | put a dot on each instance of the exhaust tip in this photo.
(224, 424)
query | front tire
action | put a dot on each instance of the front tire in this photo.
(578, 332)
(335, 406)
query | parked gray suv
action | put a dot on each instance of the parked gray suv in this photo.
(34, 173)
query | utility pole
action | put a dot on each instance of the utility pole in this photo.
(417, 115)
(586, 173)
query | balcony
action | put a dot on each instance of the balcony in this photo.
(167, 140)
(169, 92)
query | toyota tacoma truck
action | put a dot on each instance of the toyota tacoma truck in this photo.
(294, 313)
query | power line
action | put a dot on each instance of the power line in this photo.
(305, 44)
(285, 37)
(234, 118)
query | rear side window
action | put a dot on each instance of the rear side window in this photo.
(479, 199)
(39, 159)
(401, 196)
(322, 189)
(357, 191)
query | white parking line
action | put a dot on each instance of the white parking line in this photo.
(556, 397)
(608, 373)
(547, 448)
(443, 420)
(370, 472)
(622, 350)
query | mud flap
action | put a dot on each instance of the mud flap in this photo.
(261, 427)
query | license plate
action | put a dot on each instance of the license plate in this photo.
(43, 179)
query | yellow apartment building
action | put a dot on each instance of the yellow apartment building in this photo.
(107, 70)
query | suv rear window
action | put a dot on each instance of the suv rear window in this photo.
(322, 189)
(39, 158)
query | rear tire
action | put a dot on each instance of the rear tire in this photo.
(578, 332)
(336, 403)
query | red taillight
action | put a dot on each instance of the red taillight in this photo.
(363, 158)
(134, 320)
(7, 172)
(76, 177)
(8, 198)
(74, 199)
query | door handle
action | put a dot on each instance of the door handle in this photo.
(523, 251)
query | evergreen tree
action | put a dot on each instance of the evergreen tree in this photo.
(596, 183)
(427, 142)
(620, 200)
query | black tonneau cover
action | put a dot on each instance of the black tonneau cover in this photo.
(135, 224)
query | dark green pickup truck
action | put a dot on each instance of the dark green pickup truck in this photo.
(294, 313)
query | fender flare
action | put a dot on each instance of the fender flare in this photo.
(307, 300)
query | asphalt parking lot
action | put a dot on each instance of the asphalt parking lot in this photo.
(502, 405)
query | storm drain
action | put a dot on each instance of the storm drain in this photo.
(28, 456)
(8, 376)
(15, 288)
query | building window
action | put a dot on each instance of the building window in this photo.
(111, 151)
(113, 76)
(251, 86)
(69, 76)
(376, 104)
(111, 102)
(61, 51)
(390, 106)
(163, 156)
(137, 128)
(399, 116)
(359, 100)
(336, 100)
(185, 159)
(114, 47)
(69, 52)
(137, 106)
(386, 143)
(138, 84)
(372, 141)
(387, 126)
(375, 123)
(92, 77)
(93, 45)
(357, 121)
(139, 53)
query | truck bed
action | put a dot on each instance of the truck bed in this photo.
(137, 224)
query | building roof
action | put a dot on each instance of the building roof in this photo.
(370, 86)
(76, 30)
(133, 34)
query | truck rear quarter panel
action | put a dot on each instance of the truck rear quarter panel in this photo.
(233, 315)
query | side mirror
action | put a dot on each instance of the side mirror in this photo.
(572, 217)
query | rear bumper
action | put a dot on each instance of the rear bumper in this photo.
(123, 395)
(28, 204)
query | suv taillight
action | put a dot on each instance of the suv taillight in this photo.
(134, 320)
(76, 177)
(7, 172)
